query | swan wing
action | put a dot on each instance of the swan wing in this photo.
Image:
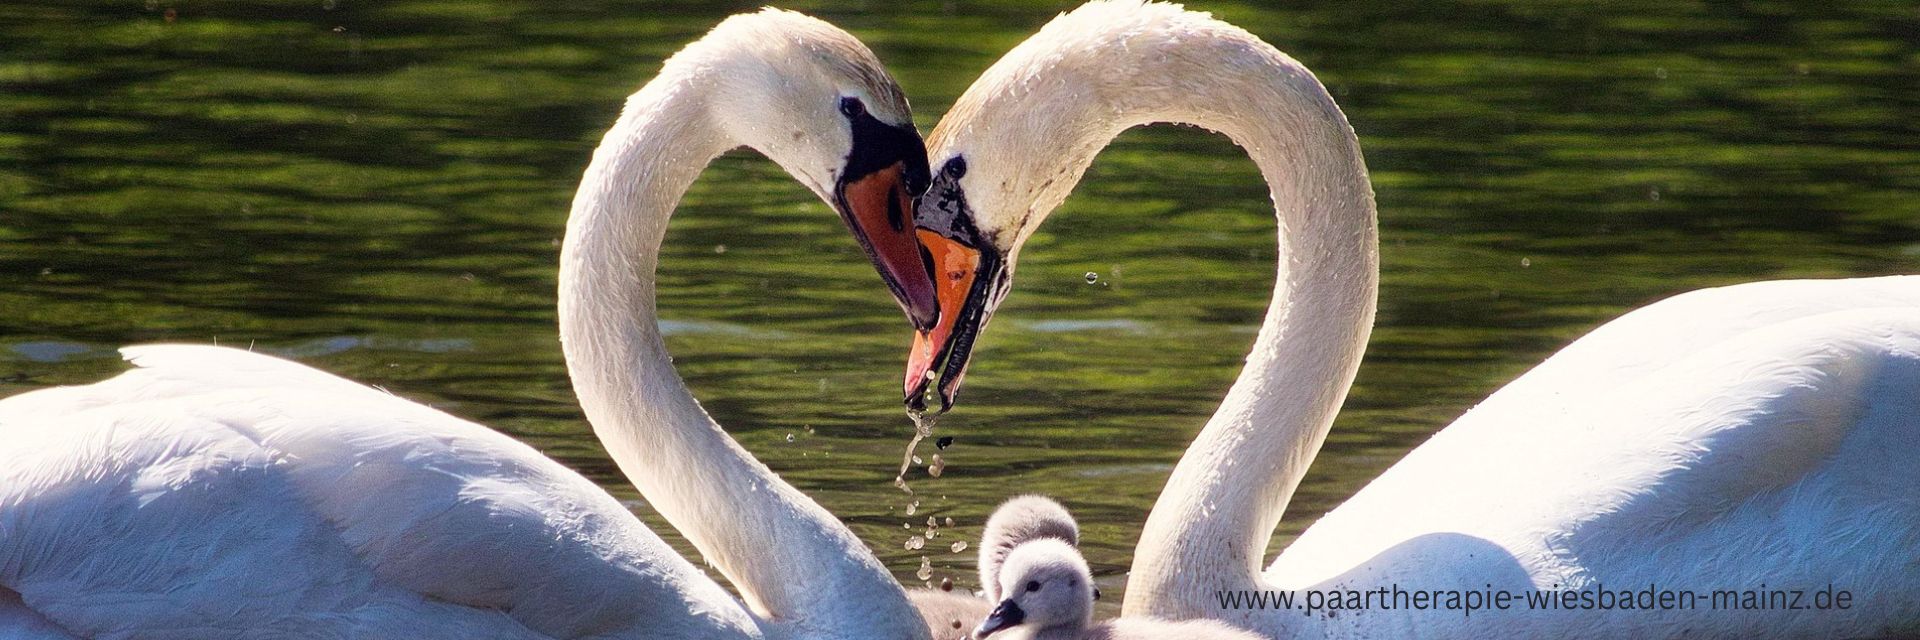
(1757, 427)
(220, 492)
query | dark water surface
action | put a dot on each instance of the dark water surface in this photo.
(378, 189)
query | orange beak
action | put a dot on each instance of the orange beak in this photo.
(879, 211)
(955, 266)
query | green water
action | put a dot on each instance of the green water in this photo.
(378, 189)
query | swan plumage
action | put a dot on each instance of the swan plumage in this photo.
(1724, 439)
(219, 491)
(216, 493)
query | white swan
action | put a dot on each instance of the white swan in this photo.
(1743, 438)
(1049, 596)
(215, 493)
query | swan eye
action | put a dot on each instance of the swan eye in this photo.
(852, 107)
(1033, 585)
(955, 168)
(1096, 593)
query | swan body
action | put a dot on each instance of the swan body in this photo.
(1021, 519)
(1724, 439)
(214, 493)
(1728, 439)
(1049, 596)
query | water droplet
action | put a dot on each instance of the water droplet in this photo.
(959, 546)
(1660, 72)
(938, 467)
(917, 460)
(949, 521)
(943, 442)
(946, 583)
(1653, 193)
(916, 543)
(913, 507)
(719, 248)
(1526, 262)
(789, 437)
(926, 569)
(1092, 277)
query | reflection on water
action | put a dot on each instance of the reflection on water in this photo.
(378, 189)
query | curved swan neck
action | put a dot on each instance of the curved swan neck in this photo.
(793, 562)
(1109, 66)
(1210, 527)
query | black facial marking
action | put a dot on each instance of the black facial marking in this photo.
(944, 208)
(878, 145)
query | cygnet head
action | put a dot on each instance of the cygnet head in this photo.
(1047, 585)
(1015, 522)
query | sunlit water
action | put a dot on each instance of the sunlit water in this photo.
(379, 189)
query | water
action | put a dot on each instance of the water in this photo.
(378, 189)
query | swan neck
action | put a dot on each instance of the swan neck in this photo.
(1209, 529)
(794, 564)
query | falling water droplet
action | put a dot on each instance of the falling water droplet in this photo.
(1092, 277)
(1526, 262)
(1653, 193)
(938, 467)
(926, 569)
(912, 507)
(916, 543)
(959, 546)
(946, 583)
(789, 437)
(949, 521)
(922, 427)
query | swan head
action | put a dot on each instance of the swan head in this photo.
(1046, 584)
(1012, 148)
(816, 101)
